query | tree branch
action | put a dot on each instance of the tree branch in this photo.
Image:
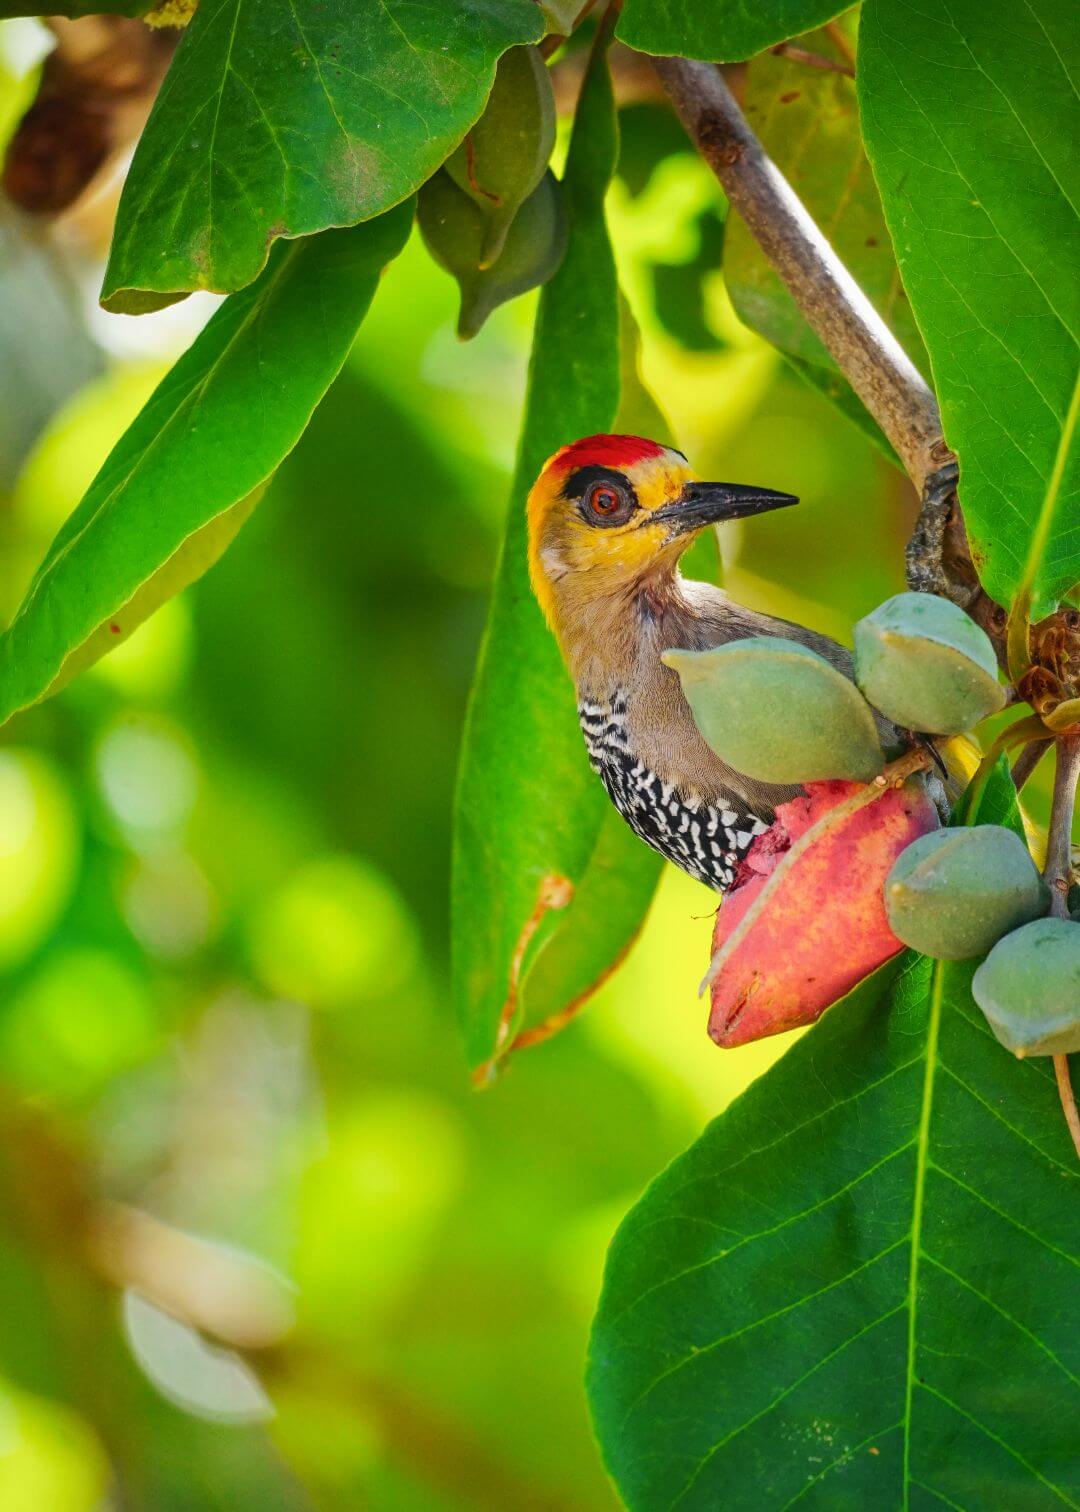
(859, 341)
(1058, 867)
(864, 348)
(1028, 760)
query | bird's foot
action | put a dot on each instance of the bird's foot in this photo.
(927, 567)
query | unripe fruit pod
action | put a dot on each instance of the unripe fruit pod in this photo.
(953, 894)
(453, 229)
(1029, 988)
(775, 710)
(503, 157)
(926, 665)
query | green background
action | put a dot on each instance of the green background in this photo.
(224, 874)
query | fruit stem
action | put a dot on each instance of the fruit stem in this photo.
(1021, 731)
(1068, 1098)
(1059, 835)
(1027, 761)
(1056, 875)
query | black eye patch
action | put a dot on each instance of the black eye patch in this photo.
(578, 483)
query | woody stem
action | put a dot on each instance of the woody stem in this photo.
(1057, 874)
(864, 348)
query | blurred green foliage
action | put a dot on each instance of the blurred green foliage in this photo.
(224, 871)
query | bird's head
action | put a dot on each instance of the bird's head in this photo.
(609, 513)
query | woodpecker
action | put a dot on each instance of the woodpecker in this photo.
(609, 517)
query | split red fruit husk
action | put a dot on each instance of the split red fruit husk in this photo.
(805, 921)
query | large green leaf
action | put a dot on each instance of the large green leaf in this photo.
(609, 904)
(722, 31)
(858, 1288)
(971, 121)
(528, 807)
(808, 120)
(180, 481)
(277, 120)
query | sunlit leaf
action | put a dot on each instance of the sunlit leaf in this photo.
(679, 288)
(973, 143)
(828, 380)
(718, 32)
(181, 480)
(278, 120)
(857, 1288)
(606, 913)
(529, 812)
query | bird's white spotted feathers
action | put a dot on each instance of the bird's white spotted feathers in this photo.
(708, 842)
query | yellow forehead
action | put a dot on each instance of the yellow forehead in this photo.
(562, 542)
(658, 480)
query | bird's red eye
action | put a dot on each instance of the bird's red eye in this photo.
(604, 501)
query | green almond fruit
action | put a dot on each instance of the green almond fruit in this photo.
(777, 711)
(954, 893)
(926, 665)
(453, 229)
(1029, 988)
(503, 157)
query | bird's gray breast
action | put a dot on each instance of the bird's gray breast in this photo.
(706, 840)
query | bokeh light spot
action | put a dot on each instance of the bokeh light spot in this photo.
(79, 1020)
(335, 932)
(371, 1203)
(199, 1377)
(39, 847)
(147, 775)
(50, 1461)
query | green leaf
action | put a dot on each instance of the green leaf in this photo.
(638, 414)
(180, 481)
(719, 32)
(528, 807)
(972, 137)
(560, 15)
(608, 908)
(679, 288)
(857, 1288)
(808, 120)
(600, 925)
(835, 387)
(277, 120)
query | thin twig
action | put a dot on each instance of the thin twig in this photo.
(1027, 761)
(811, 59)
(864, 348)
(1057, 873)
(1059, 835)
(841, 43)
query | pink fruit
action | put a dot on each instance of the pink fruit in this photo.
(806, 919)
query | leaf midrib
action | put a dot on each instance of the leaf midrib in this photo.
(922, 1155)
(1041, 534)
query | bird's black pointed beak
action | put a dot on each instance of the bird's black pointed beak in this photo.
(712, 503)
